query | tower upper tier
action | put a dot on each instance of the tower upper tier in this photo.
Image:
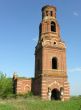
(48, 12)
(49, 26)
(49, 30)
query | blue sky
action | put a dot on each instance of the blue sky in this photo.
(19, 28)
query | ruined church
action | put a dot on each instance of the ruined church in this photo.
(50, 81)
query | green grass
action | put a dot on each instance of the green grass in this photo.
(38, 104)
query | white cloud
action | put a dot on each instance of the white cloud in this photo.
(75, 13)
(78, 69)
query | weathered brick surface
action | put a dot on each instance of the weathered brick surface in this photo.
(49, 46)
(36, 86)
(22, 85)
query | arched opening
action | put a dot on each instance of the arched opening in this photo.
(53, 26)
(51, 13)
(54, 63)
(55, 94)
(47, 13)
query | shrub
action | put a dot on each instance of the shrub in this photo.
(5, 86)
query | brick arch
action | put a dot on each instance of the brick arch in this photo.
(55, 84)
(27, 88)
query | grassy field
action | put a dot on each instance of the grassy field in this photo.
(37, 104)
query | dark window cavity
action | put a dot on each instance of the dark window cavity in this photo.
(51, 13)
(46, 13)
(54, 63)
(53, 26)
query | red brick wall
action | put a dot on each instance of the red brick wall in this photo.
(49, 46)
(52, 83)
(22, 85)
(36, 86)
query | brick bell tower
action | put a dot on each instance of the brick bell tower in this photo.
(50, 59)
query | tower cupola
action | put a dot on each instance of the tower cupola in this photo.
(48, 12)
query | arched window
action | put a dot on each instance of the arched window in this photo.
(53, 26)
(46, 13)
(51, 13)
(54, 63)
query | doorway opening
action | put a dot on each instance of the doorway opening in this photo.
(55, 94)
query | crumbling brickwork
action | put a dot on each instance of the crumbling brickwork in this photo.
(50, 80)
(21, 85)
